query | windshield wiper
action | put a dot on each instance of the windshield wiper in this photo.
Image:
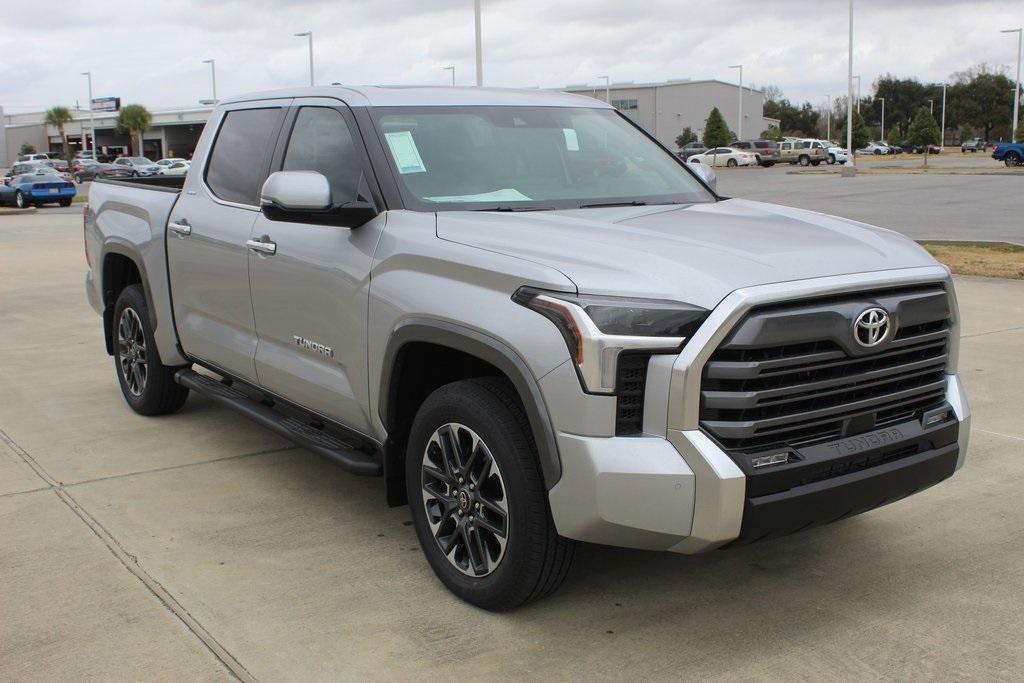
(600, 205)
(505, 207)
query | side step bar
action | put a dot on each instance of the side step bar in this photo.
(309, 437)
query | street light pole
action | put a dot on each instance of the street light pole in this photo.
(882, 134)
(931, 107)
(739, 118)
(849, 98)
(308, 34)
(479, 44)
(213, 76)
(92, 118)
(607, 89)
(452, 69)
(1016, 84)
(943, 142)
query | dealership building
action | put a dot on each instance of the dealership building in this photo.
(665, 109)
(174, 132)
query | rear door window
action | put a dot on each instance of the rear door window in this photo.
(240, 155)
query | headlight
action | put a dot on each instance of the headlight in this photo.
(597, 329)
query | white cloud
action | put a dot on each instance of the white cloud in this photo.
(151, 52)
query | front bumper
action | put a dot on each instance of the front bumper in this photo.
(685, 494)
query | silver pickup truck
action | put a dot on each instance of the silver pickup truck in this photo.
(535, 322)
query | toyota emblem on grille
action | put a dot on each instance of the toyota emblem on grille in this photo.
(871, 327)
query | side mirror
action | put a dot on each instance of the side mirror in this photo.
(305, 197)
(705, 173)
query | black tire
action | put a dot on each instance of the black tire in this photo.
(732, 163)
(65, 202)
(878, 152)
(804, 160)
(831, 158)
(1011, 159)
(20, 201)
(768, 164)
(816, 162)
(534, 560)
(157, 393)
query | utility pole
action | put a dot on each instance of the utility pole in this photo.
(213, 75)
(739, 121)
(92, 118)
(479, 44)
(1016, 84)
(308, 34)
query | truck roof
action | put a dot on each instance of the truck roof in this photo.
(404, 95)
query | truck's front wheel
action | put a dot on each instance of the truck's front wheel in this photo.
(478, 501)
(147, 384)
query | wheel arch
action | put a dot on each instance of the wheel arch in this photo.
(460, 349)
(121, 266)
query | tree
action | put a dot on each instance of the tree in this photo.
(134, 120)
(861, 134)
(924, 131)
(686, 137)
(982, 97)
(966, 133)
(716, 131)
(772, 134)
(27, 148)
(1018, 136)
(57, 117)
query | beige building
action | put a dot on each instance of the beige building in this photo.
(665, 109)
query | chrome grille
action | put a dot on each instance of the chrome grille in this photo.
(769, 385)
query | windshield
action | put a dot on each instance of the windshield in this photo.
(481, 157)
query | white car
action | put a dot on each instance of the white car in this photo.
(33, 157)
(177, 167)
(874, 148)
(837, 154)
(169, 160)
(726, 156)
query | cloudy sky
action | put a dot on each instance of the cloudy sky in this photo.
(151, 51)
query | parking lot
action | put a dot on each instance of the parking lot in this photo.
(201, 547)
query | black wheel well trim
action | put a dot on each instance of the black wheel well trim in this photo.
(125, 250)
(488, 349)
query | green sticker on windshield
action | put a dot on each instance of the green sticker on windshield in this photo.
(403, 149)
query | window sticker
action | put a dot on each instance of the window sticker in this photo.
(403, 148)
(505, 195)
(572, 142)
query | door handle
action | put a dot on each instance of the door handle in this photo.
(263, 246)
(182, 229)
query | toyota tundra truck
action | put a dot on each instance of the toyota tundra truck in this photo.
(536, 323)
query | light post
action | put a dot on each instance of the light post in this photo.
(607, 89)
(479, 44)
(213, 76)
(882, 134)
(931, 107)
(739, 118)
(452, 69)
(849, 166)
(308, 34)
(858, 93)
(1016, 83)
(943, 126)
(92, 118)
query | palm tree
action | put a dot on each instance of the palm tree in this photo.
(134, 120)
(58, 116)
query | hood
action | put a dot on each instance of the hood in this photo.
(696, 253)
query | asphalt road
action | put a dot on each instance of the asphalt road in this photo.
(199, 546)
(950, 207)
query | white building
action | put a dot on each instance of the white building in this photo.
(665, 109)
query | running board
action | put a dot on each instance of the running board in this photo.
(308, 436)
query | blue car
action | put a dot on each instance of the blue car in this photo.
(36, 189)
(1010, 153)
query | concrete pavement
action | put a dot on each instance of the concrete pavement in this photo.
(201, 547)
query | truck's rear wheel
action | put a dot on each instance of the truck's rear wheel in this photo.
(146, 383)
(1011, 159)
(478, 501)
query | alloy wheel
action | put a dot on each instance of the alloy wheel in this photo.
(131, 351)
(465, 499)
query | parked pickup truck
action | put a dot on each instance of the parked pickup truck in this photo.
(1010, 153)
(534, 321)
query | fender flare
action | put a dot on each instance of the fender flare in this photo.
(486, 348)
(115, 245)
